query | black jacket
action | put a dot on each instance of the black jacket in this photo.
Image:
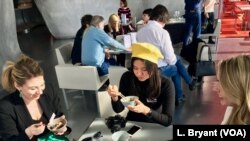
(15, 118)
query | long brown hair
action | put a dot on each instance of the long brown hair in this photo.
(154, 87)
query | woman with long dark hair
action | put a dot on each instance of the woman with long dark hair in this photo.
(155, 92)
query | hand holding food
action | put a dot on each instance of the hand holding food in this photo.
(113, 92)
(35, 129)
(58, 125)
(139, 108)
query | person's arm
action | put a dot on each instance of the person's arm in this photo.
(167, 49)
(165, 117)
(8, 127)
(123, 88)
(106, 40)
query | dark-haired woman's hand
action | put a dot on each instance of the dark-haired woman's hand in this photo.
(139, 108)
(113, 92)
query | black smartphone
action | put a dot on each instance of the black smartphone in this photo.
(134, 129)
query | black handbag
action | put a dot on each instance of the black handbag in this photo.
(204, 67)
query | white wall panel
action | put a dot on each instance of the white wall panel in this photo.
(9, 47)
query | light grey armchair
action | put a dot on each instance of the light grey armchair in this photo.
(77, 77)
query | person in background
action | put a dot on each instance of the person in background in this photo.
(234, 89)
(124, 10)
(192, 20)
(145, 18)
(171, 65)
(208, 17)
(155, 92)
(76, 50)
(94, 45)
(114, 28)
(26, 111)
(146, 15)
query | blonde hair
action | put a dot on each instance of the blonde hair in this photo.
(114, 18)
(24, 69)
(234, 78)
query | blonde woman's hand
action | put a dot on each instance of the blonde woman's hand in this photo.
(64, 129)
(139, 108)
(35, 129)
(113, 92)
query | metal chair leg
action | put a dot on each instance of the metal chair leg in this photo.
(65, 99)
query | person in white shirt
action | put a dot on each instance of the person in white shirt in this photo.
(171, 65)
(234, 89)
(208, 17)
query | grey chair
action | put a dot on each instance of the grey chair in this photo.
(215, 34)
(76, 77)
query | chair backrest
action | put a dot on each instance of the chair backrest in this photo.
(63, 53)
(115, 73)
(79, 77)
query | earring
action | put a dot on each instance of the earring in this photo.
(20, 94)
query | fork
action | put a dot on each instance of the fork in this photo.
(121, 95)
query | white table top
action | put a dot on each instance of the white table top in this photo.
(149, 131)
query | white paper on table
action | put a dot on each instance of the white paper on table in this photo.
(133, 37)
(127, 41)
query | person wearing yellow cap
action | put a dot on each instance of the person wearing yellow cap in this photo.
(145, 81)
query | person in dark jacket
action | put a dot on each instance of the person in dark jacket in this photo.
(77, 47)
(26, 111)
(156, 93)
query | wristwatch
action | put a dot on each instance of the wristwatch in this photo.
(149, 114)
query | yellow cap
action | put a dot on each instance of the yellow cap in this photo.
(146, 51)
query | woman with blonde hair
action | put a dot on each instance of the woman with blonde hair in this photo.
(26, 111)
(234, 89)
(113, 28)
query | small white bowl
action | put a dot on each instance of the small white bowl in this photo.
(57, 125)
(120, 136)
(129, 100)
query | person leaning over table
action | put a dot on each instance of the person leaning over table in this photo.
(95, 43)
(114, 28)
(156, 93)
(234, 89)
(26, 111)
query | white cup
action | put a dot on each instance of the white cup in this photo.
(120, 136)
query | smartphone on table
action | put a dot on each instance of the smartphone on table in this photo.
(134, 129)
